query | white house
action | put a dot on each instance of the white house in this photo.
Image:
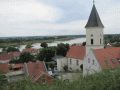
(75, 57)
(61, 62)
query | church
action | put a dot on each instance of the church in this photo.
(93, 57)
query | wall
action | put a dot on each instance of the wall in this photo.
(88, 66)
(61, 62)
(73, 65)
(97, 35)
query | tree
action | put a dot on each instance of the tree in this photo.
(28, 46)
(46, 54)
(26, 57)
(12, 49)
(62, 49)
(44, 45)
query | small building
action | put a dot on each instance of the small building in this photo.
(37, 72)
(33, 51)
(7, 57)
(61, 62)
(75, 57)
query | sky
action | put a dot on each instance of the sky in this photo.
(55, 17)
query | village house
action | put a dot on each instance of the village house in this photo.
(33, 51)
(7, 57)
(75, 57)
(73, 60)
(37, 72)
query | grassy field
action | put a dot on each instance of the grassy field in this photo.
(107, 80)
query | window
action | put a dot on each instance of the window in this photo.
(92, 42)
(77, 62)
(93, 62)
(88, 60)
(100, 41)
(70, 61)
(91, 35)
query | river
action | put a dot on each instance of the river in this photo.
(37, 45)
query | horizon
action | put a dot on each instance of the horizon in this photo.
(55, 18)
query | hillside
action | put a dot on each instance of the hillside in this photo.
(107, 80)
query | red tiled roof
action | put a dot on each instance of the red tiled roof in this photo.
(5, 56)
(4, 68)
(77, 52)
(36, 69)
(15, 54)
(108, 57)
(9, 56)
(14, 66)
(30, 50)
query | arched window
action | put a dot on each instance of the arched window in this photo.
(100, 40)
(91, 35)
(92, 42)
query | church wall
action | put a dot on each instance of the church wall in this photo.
(91, 64)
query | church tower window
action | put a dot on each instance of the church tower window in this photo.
(92, 41)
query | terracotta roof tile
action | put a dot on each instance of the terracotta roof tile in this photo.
(108, 57)
(77, 52)
(30, 50)
(36, 69)
(4, 68)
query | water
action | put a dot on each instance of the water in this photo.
(73, 41)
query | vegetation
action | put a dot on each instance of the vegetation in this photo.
(62, 49)
(24, 57)
(12, 49)
(46, 54)
(107, 80)
(28, 46)
(44, 45)
(16, 41)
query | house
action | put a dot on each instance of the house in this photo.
(100, 59)
(61, 62)
(13, 72)
(33, 51)
(75, 57)
(7, 57)
(37, 72)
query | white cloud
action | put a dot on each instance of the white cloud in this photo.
(23, 11)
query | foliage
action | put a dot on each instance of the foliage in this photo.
(12, 49)
(107, 80)
(26, 57)
(46, 54)
(62, 49)
(28, 46)
(44, 44)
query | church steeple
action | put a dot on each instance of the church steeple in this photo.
(94, 31)
(94, 19)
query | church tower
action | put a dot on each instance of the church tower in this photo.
(94, 31)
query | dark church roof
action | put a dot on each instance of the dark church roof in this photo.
(94, 19)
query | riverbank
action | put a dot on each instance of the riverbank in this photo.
(5, 42)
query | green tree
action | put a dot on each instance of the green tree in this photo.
(26, 57)
(12, 49)
(44, 45)
(46, 54)
(62, 49)
(28, 46)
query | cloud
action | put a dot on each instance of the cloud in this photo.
(55, 17)
(24, 11)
